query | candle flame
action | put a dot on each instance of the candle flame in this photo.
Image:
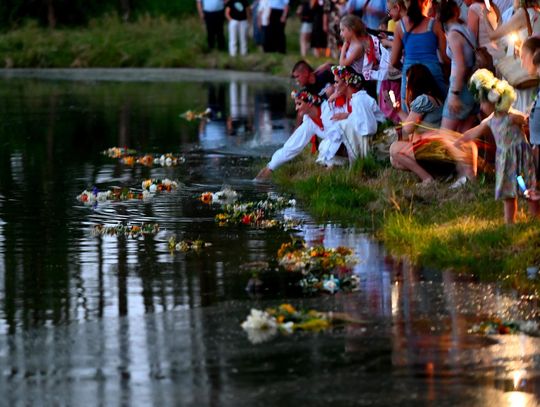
(518, 376)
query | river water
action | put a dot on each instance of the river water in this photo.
(88, 320)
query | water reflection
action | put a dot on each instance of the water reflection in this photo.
(122, 321)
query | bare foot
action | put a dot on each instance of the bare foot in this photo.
(426, 182)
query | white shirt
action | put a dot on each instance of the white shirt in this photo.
(278, 4)
(212, 5)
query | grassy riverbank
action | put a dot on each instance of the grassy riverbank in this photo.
(436, 227)
(147, 42)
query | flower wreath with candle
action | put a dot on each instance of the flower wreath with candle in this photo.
(306, 96)
(486, 87)
(348, 74)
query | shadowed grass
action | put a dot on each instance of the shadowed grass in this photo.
(436, 227)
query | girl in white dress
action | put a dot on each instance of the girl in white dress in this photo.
(309, 106)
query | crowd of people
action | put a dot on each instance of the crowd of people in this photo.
(460, 82)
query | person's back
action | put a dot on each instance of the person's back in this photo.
(420, 45)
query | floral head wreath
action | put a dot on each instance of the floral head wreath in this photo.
(348, 75)
(306, 96)
(486, 87)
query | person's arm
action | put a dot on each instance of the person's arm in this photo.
(409, 125)
(456, 42)
(475, 132)
(325, 22)
(323, 67)
(283, 18)
(200, 9)
(248, 11)
(473, 21)
(441, 41)
(227, 12)
(397, 47)
(517, 22)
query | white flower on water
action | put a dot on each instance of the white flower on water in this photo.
(227, 194)
(287, 327)
(103, 196)
(146, 183)
(147, 194)
(528, 327)
(331, 285)
(260, 326)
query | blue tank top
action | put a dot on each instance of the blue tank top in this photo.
(420, 47)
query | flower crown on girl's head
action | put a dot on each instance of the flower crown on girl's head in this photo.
(306, 96)
(486, 87)
(348, 74)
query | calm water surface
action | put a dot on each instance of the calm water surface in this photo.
(108, 321)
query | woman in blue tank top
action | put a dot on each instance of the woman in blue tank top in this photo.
(419, 38)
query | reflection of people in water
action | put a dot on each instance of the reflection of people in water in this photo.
(271, 126)
(239, 121)
(213, 133)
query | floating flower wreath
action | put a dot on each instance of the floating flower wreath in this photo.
(116, 194)
(226, 195)
(257, 214)
(306, 96)
(148, 160)
(348, 75)
(191, 115)
(262, 326)
(133, 231)
(187, 245)
(158, 185)
(118, 152)
(322, 269)
(486, 87)
(499, 327)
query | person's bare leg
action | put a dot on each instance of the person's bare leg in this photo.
(402, 158)
(534, 211)
(510, 210)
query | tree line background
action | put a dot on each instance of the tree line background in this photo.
(55, 13)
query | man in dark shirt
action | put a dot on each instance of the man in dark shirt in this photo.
(314, 80)
(237, 13)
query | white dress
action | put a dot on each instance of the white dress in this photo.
(333, 136)
(296, 143)
(361, 123)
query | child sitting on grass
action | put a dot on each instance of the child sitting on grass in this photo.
(514, 155)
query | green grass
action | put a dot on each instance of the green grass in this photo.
(146, 42)
(460, 230)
